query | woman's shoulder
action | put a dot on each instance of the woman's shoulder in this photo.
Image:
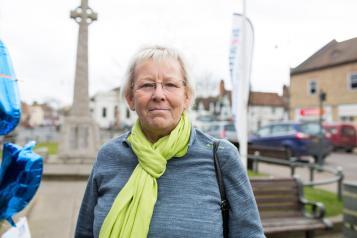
(114, 148)
(228, 153)
(202, 137)
(116, 142)
(226, 149)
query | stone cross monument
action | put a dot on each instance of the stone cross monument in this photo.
(80, 134)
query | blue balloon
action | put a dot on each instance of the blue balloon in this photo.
(20, 176)
(10, 105)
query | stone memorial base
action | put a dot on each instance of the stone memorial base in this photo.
(79, 141)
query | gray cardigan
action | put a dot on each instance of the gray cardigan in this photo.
(188, 203)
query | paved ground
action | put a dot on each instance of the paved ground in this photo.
(58, 200)
(348, 163)
(56, 208)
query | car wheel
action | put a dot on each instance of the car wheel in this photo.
(316, 158)
(323, 157)
(349, 150)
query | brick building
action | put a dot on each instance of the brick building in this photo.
(333, 70)
(263, 107)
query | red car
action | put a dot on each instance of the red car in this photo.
(342, 135)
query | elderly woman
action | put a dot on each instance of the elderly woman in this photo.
(159, 180)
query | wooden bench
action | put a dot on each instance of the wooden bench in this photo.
(272, 155)
(283, 208)
(265, 151)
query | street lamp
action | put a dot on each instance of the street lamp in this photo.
(322, 98)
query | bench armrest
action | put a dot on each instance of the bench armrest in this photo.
(317, 208)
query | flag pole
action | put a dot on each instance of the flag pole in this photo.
(241, 53)
(243, 84)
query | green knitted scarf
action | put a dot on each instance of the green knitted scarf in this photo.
(131, 212)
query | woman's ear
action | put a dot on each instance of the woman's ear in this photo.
(130, 100)
(187, 102)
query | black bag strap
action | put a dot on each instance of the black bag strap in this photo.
(224, 201)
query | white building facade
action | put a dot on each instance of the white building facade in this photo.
(109, 110)
(265, 108)
(259, 116)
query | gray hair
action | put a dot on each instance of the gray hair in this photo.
(156, 53)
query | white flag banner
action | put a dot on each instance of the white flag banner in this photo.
(240, 60)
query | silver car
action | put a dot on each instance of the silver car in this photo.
(223, 130)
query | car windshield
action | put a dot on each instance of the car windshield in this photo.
(265, 131)
(213, 128)
(331, 130)
(348, 131)
(229, 127)
(310, 128)
(206, 118)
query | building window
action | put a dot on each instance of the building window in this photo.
(312, 87)
(104, 112)
(347, 118)
(352, 81)
(116, 112)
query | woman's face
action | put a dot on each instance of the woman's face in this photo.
(159, 96)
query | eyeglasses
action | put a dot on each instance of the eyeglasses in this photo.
(168, 87)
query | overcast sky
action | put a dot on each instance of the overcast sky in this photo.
(42, 39)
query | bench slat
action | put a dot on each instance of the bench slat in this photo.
(278, 206)
(276, 192)
(282, 215)
(276, 199)
(276, 153)
(291, 224)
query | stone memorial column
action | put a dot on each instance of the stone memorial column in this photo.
(79, 133)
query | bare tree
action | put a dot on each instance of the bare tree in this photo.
(207, 84)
